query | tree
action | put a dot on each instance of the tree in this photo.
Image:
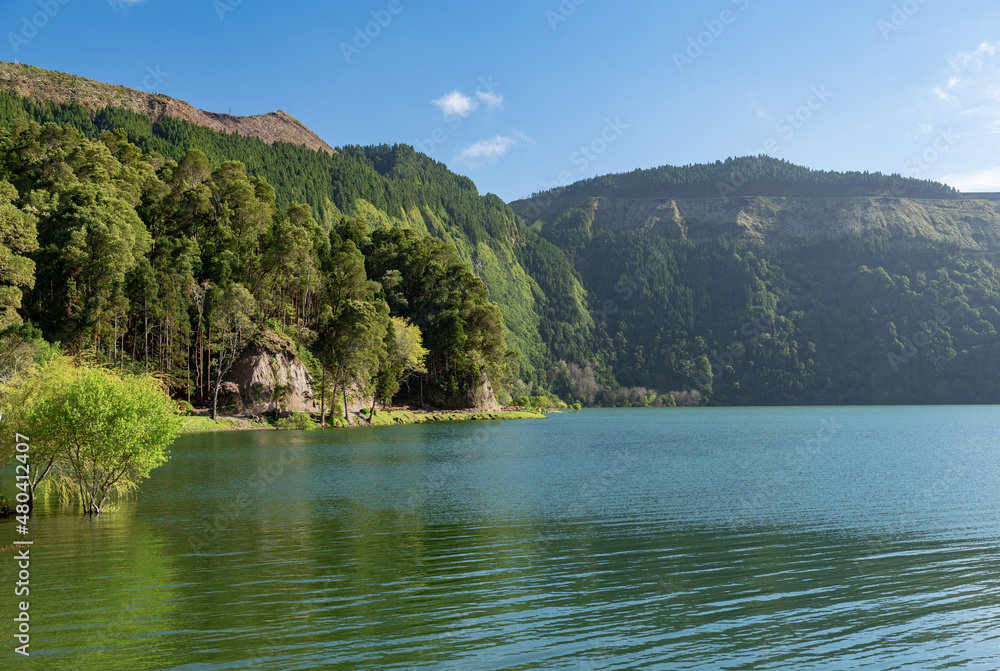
(18, 236)
(354, 338)
(231, 327)
(21, 347)
(117, 431)
(102, 432)
(402, 357)
(541, 402)
(26, 401)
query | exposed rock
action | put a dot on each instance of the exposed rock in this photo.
(480, 399)
(40, 84)
(269, 372)
(972, 225)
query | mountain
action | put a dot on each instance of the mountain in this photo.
(746, 281)
(754, 281)
(767, 220)
(31, 82)
(382, 186)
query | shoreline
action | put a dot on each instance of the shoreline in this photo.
(202, 424)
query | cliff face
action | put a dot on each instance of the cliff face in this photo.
(973, 225)
(39, 84)
(481, 399)
(266, 376)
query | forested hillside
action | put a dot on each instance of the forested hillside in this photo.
(384, 185)
(164, 245)
(150, 264)
(854, 297)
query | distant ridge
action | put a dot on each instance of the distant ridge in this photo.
(40, 84)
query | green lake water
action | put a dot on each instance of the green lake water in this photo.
(807, 538)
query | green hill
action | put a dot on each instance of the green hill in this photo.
(795, 286)
(383, 185)
(746, 281)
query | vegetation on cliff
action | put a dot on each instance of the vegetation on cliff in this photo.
(147, 264)
(745, 281)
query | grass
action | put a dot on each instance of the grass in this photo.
(395, 417)
(382, 418)
(196, 424)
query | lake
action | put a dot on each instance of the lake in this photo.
(804, 538)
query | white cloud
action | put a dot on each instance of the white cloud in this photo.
(456, 103)
(965, 61)
(121, 4)
(977, 181)
(490, 98)
(964, 105)
(490, 149)
(970, 73)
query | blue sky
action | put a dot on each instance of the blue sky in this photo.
(526, 94)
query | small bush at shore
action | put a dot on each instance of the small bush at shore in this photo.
(299, 421)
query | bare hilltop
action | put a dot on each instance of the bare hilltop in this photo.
(40, 84)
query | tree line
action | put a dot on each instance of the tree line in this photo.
(734, 177)
(173, 267)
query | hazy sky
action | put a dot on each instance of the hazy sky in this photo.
(525, 94)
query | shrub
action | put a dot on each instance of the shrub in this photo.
(541, 402)
(298, 421)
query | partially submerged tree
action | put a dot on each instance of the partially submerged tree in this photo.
(26, 401)
(117, 430)
(101, 432)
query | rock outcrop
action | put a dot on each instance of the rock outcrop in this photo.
(970, 224)
(481, 399)
(269, 374)
(40, 84)
(269, 377)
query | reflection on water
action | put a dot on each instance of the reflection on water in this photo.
(710, 539)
